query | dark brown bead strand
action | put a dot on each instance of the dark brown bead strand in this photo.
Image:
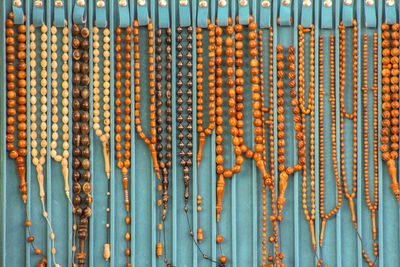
(81, 139)
(159, 129)
(165, 160)
(17, 112)
(124, 80)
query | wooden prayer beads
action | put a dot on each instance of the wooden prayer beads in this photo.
(81, 140)
(390, 113)
(164, 98)
(301, 144)
(332, 100)
(311, 111)
(374, 88)
(271, 182)
(37, 160)
(152, 141)
(124, 165)
(16, 106)
(62, 158)
(104, 134)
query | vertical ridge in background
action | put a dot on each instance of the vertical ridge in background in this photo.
(213, 172)
(296, 175)
(112, 136)
(47, 21)
(359, 135)
(3, 152)
(174, 220)
(28, 161)
(194, 125)
(275, 43)
(89, 24)
(254, 180)
(380, 191)
(133, 146)
(316, 116)
(235, 177)
(337, 92)
(70, 215)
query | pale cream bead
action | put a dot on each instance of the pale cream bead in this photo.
(65, 128)
(65, 153)
(43, 63)
(65, 145)
(35, 160)
(44, 28)
(33, 63)
(98, 132)
(54, 136)
(43, 125)
(53, 144)
(53, 29)
(33, 99)
(33, 117)
(54, 66)
(53, 153)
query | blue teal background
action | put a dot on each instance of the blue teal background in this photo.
(241, 223)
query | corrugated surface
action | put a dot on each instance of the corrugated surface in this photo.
(242, 213)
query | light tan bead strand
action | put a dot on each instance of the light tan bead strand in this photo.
(63, 158)
(36, 160)
(105, 133)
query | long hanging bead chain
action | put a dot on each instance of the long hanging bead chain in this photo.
(165, 162)
(124, 165)
(81, 140)
(200, 101)
(371, 207)
(332, 100)
(36, 160)
(390, 93)
(305, 111)
(64, 156)
(16, 105)
(104, 134)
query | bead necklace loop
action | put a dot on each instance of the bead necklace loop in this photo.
(16, 105)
